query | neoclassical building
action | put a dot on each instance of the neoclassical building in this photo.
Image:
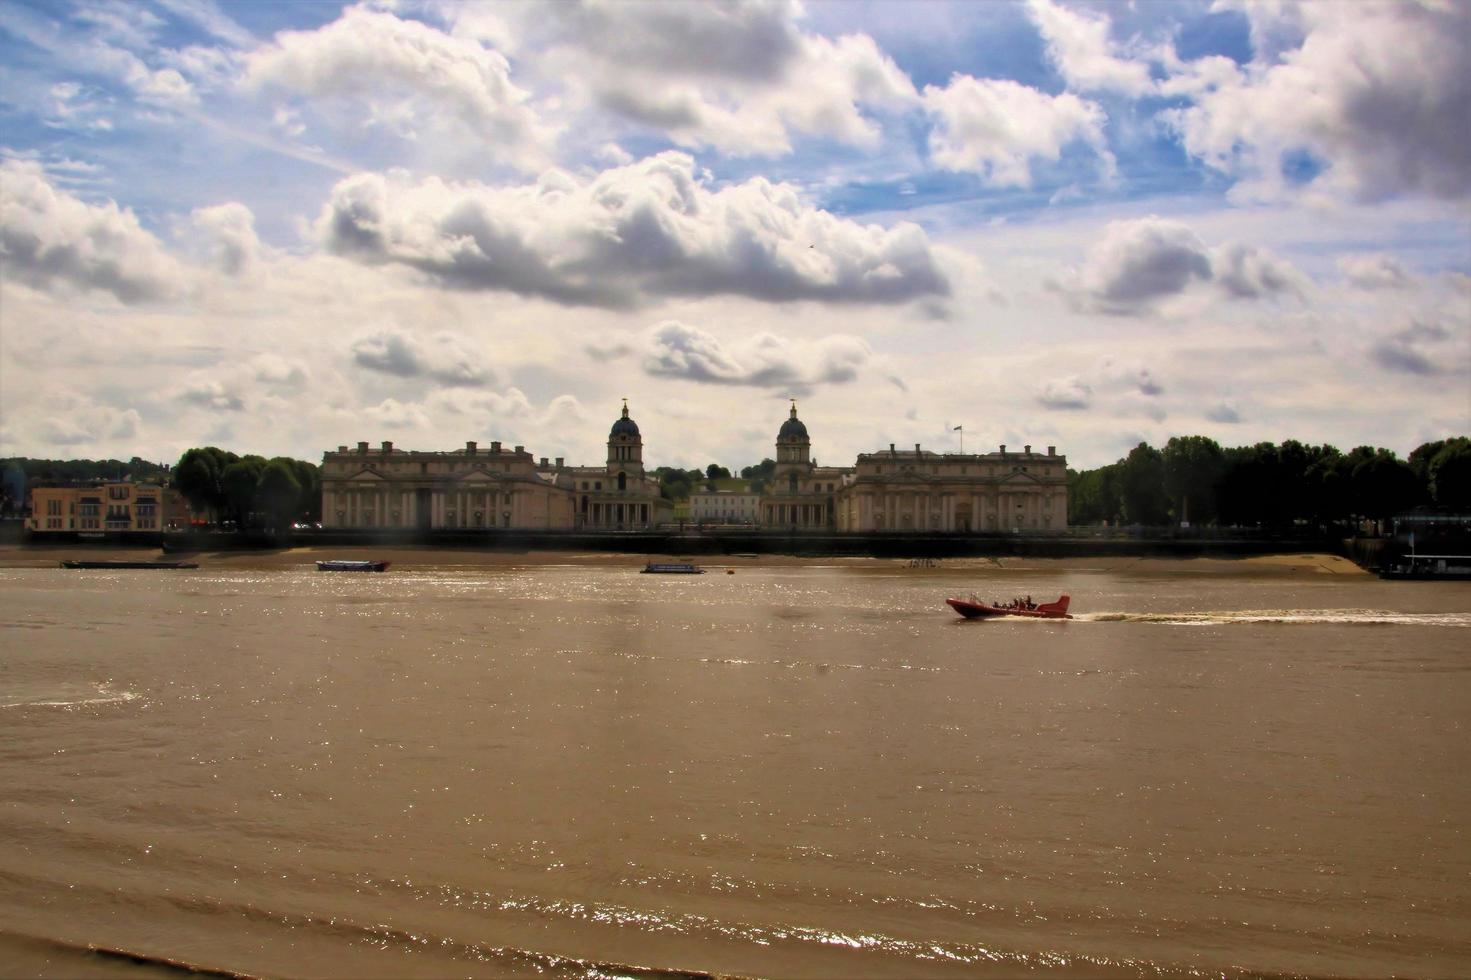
(490, 488)
(617, 495)
(893, 491)
(899, 490)
(463, 488)
(903, 490)
(801, 494)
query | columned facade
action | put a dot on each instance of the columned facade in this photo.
(801, 493)
(469, 488)
(901, 491)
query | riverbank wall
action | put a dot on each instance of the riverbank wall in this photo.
(1080, 543)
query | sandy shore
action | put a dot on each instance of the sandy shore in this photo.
(17, 556)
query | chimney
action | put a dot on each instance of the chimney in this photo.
(559, 461)
(1003, 449)
(543, 462)
(1027, 450)
(495, 447)
(891, 449)
(342, 449)
(1052, 450)
(520, 449)
(387, 447)
(916, 449)
(469, 449)
(362, 447)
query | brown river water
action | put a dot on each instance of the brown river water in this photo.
(792, 771)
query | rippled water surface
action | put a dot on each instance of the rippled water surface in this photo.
(819, 771)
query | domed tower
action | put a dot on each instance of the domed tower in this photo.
(625, 449)
(793, 453)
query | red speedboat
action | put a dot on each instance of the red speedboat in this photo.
(974, 608)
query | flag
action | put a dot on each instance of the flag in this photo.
(957, 428)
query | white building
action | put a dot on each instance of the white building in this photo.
(725, 507)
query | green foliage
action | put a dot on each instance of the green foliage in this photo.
(278, 493)
(759, 475)
(1448, 475)
(1141, 486)
(1192, 468)
(1267, 485)
(86, 470)
(250, 489)
(198, 476)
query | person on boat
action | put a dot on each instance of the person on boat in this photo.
(1030, 603)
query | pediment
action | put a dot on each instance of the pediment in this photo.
(477, 476)
(367, 474)
(1026, 478)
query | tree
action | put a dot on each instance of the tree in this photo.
(278, 493)
(1192, 467)
(240, 481)
(198, 476)
(713, 472)
(759, 475)
(1383, 485)
(1141, 486)
(1449, 475)
(1093, 495)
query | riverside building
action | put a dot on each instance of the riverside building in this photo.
(887, 491)
(117, 507)
(473, 488)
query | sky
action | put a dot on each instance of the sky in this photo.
(278, 227)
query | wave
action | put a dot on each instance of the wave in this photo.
(102, 694)
(82, 951)
(1291, 617)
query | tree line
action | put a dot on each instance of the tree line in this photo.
(1194, 480)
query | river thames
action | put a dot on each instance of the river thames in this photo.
(464, 768)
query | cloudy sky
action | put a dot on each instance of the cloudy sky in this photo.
(277, 227)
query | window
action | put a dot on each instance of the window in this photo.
(53, 508)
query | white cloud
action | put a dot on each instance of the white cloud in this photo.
(1138, 263)
(1423, 349)
(212, 394)
(1375, 271)
(72, 420)
(1078, 44)
(394, 414)
(230, 238)
(741, 78)
(1376, 94)
(763, 360)
(1067, 394)
(380, 68)
(442, 357)
(1141, 263)
(996, 128)
(653, 229)
(49, 238)
(1248, 272)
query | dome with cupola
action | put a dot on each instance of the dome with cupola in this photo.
(625, 426)
(792, 428)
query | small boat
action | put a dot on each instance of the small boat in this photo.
(122, 563)
(348, 565)
(973, 608)
(671, 568)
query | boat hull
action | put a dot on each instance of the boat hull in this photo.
(972, 609)
(352, 566)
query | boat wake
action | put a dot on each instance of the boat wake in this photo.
(98, 694)
(1287, 617)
